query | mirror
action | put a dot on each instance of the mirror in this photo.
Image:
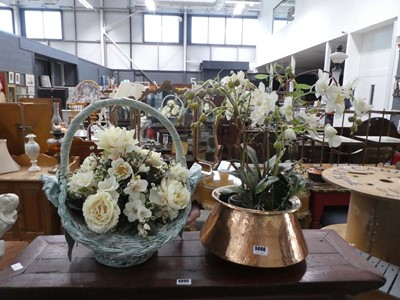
(205, 142)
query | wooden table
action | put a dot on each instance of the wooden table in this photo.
(331, 270)
(384, 140)
(11, 251)
(323, 142)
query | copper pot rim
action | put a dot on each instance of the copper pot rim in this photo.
(296, 205)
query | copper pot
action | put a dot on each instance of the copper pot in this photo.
(266, 239)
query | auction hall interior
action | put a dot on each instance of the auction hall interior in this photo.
(200, 149)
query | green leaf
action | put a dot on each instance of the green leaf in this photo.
(253, 157)
(261, 76)
(303, 86)
(266, 182)
(232, 189)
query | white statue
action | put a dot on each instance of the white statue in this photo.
(8, 215)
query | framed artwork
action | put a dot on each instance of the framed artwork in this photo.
(17, 78)
(31, 91)
(3, 86)
(11, 93)
(10, 77)
(29, 80)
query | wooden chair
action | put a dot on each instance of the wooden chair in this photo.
(82, 148)
(86, 92)
(75, 108)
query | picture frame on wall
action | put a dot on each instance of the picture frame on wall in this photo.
(3, 86)
(31, 91)
(29, 80)
(11, 93)
(17, 78)
(10, 77)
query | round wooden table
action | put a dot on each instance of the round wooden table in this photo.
(373, 222)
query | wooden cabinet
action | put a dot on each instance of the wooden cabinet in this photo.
(36, 215)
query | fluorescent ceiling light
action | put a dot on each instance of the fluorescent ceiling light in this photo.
(151, 6)
(86, 4)
(238, 8)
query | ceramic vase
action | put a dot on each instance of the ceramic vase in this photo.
(267, 239)
(32, 150)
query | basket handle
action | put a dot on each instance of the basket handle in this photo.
(97, 105)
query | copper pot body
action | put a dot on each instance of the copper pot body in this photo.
(266, 239)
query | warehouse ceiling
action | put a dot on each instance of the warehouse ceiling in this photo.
(218, 7)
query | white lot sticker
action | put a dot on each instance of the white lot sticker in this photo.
(17, 267)
(260, 250)
(184, 281)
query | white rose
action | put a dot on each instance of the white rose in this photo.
(179, 173)
(120, 169)
(170, 193)
(101, 212)
(155, 159)
(178, 195)
(116, 141)
(81, 183)
(89, 164)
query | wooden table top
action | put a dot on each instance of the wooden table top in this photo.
(379, 139)
(323, 139)
(382, 183)
(331, 268)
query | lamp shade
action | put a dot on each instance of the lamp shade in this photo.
(7, 163)
(339, 56)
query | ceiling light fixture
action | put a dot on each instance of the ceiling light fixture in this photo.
(238, 9)
(86, 4)
(151, 6)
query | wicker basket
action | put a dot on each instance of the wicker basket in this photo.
(113, 248)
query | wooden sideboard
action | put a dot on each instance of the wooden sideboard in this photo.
(36, 215)
(184, 269)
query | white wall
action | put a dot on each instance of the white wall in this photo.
(317, 22)
(371, 27)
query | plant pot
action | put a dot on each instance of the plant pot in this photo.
(267, 239)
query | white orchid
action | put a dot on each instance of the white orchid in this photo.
(290, 134)
(331, 134)
(361, 107)
(109, 185)
(322, 84)
(287, 109)
(136, 186)
(135, 210)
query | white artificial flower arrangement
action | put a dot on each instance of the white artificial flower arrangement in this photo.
(254, 111)
(171, 109)
(127, 188)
